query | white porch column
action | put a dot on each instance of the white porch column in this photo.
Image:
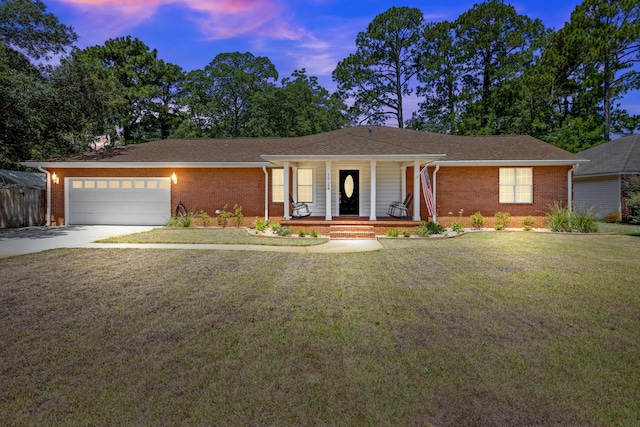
(374, 190)
(287, 214)
(417, 194)
(294, 181)
(327, 215)
(404, 182)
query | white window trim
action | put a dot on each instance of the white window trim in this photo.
(514, 188)
(314, 185)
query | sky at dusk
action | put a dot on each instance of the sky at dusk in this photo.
(294, 34)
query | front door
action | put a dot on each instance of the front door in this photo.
(349, 192)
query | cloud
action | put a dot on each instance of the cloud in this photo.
(216, 19)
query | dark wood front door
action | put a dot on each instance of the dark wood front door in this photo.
(349, 192)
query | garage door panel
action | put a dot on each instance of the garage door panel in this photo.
(119, 201)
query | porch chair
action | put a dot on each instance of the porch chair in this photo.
(400, 209)
(300, 209)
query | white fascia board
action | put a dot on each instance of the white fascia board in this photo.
(364, 157)
(604, 174)
(144, 165)
(508, 162)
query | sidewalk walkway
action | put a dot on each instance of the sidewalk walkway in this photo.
(332, 246)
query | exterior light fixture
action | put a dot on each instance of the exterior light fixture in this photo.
(174, 178)
(55, 178)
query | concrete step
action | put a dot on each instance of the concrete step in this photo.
(352, 232)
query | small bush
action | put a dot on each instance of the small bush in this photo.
(393, 233)
(261, 225)
(528, 223)
(301, 233)
(205, 218)
(406, 233)
(280, 230)
(501, 220)
(427, 228)
(477, 220)
(223, 216)
(314, 234)
(634, 204)
(238, 217)
(181, 220)
(561, 219)
(457, 227)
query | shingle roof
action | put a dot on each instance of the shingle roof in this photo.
(354, 141)
(620, 156)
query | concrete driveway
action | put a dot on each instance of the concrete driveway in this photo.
(38, 239)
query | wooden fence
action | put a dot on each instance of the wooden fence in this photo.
(22, 207)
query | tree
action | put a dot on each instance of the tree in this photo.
(26, 27)
(136, 81)
(496, 45)
(607, 34)
(379, 74)
(219, 95)
(299, 107)
(440, 75)
(27, 32)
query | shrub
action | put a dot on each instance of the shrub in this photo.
(477, 220)
(634, 204)
(393, 233)
(205, 218)
(301, 233)
(561, 219)
(528, 223)
(427, 228)
(280, 230)
(314, 234)
(238, 217)
(223, 216)
(181, 220)
(501, 220)
(261, 225)
(457, 227)
(406, 233)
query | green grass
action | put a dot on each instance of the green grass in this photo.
(618, 228)
(483, 329)
(209, 236)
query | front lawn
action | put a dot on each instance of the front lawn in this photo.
(494, 328)
(221, 236)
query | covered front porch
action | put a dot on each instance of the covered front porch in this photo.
(350, 227)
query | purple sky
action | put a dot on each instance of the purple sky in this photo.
(294, 34)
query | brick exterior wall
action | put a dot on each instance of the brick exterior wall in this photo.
(197, 188)
(476, 189)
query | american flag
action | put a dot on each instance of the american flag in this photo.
(426, 191)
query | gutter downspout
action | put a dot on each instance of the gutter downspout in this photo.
(266, 193)
(435, 202)
(48, 194)
(570, 186)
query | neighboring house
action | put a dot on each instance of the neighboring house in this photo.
(9, 178)
(599, 183)
(352, 173)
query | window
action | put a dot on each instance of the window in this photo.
(277, 185)
(305, 186)
(516, 185)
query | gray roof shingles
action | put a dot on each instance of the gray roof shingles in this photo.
(353, 141)
(620, 156)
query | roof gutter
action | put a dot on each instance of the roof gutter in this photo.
(570, 185)
(39, 167)
(507, 162)
(266, 193)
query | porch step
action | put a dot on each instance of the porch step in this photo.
(352, 232)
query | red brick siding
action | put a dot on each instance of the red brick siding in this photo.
(197, 188)
(476, 189)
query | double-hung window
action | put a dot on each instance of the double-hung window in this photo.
(516, 185)
(305, 189)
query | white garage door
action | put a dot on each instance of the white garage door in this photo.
(118, 201)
